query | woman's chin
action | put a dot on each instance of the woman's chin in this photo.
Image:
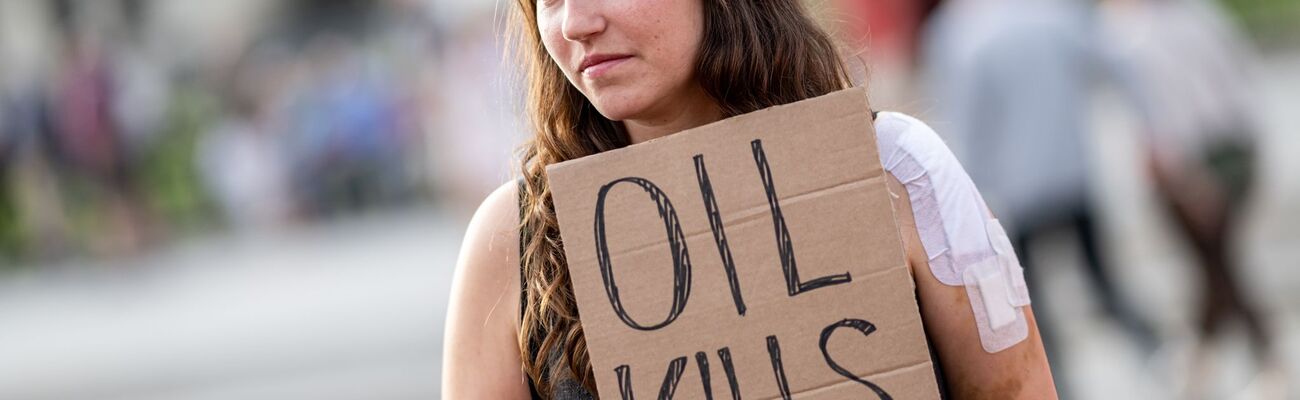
(619, 104)
(617, 112)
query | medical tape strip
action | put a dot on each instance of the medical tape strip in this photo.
(1017, 289)
(965, 246)
(1001, 325)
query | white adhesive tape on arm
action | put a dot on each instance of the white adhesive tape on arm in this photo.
(1016, 286)
(948, 210)
(998, 294)
(1000, 324)
(964, 245)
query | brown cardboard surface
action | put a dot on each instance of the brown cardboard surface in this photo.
(662, 250)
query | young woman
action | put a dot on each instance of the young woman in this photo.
(604, 74)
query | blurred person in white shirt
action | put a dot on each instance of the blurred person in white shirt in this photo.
(1012, 80)
(1184, 65)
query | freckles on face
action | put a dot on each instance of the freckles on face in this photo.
(628, 57)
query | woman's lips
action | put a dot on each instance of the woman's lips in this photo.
(597, 69)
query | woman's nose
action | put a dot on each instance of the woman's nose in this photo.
(583, 19)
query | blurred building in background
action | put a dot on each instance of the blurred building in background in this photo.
(264, 199)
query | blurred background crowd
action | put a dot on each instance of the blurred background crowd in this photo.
(128, 123)
(264, 199)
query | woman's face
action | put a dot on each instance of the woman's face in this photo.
(633, 59)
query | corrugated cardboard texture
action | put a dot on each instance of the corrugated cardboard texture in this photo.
(825, 175)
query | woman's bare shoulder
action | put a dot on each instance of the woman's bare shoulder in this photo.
(481, 354)
(488, 265)
(494, 229)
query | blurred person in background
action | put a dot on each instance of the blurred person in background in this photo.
(1012, 79)
(1185, 66)
(241, 157)
(344, 132)
(89, 148)
(34, 225)
(11, 229)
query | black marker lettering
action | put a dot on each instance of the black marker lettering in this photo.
(624, 381)
(666, 390)
(719, 232)
(676, 243)
(671, 378)
(702, 360)
(730, 369)
(861, 326)
(784, 242)
(774, 350)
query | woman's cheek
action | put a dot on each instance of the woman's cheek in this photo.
(552, 38)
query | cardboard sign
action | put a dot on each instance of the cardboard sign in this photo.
(756, 258)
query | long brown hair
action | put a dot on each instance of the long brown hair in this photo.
(754, 54)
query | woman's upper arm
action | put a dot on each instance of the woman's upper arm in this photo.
(1018, 372)
(480, 347)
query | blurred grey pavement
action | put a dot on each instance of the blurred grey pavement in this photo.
(353, 309)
